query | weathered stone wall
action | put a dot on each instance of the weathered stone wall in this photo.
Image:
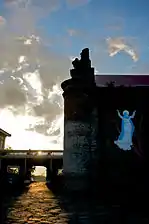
(80, 135)
(80, 145)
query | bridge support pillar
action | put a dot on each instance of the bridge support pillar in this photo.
(25, 171)
(51, 171)
(3, 173)
(80, 129)
(22, 172)
(48, 174)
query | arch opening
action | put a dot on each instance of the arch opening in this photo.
(39, 174)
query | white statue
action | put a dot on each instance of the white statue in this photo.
(124, 140)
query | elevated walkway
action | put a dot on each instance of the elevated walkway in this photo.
(31, 154)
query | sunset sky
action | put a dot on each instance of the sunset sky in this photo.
(38, 39)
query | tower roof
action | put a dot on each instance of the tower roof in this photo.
(4, 133)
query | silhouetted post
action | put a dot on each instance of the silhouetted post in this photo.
(22, 171)
(48, 174)
(3, 173)
(80, 123)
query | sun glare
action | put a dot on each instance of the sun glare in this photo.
(21, 138)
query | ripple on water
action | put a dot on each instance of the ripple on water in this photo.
(40, 205)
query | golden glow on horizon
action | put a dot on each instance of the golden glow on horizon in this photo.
(23, 139)
(40, 170)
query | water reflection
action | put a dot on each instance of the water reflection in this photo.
(38, 204)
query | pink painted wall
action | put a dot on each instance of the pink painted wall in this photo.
(134, 80)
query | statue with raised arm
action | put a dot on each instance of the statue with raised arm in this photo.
(124, 140)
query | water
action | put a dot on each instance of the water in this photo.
(35, 205)
(38, 204)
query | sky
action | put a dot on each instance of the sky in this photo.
(38, 40)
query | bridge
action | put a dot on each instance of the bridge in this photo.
(24, 160)
(26, 154)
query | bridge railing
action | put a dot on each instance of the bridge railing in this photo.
(30, 153)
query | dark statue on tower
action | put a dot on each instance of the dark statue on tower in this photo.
(84, 63)
(82, 73)
(82, 68)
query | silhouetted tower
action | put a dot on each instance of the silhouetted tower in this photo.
(80, 122)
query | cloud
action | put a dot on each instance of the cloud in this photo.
(116, 45)
(2, 20)
(11, 93)
(77, 33)
(115, 23)
(72, 32)
(46, 5)
(38, 8)
(52, 4)
(30, 72)
(75, 3)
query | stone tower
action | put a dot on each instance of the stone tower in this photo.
(80, 124)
